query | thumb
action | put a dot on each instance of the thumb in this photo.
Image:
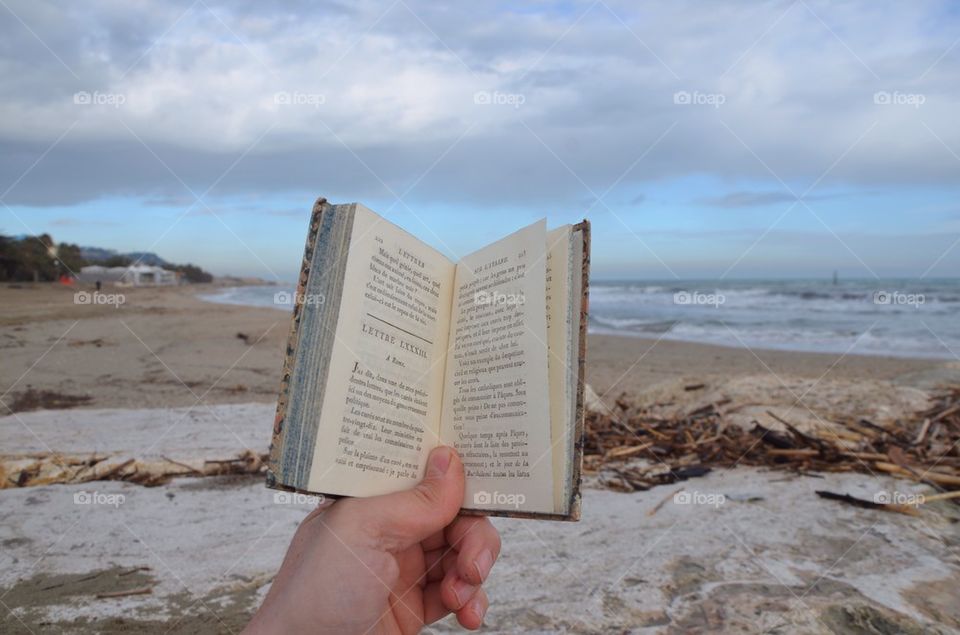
(403, 519)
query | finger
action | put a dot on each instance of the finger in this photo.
(433, 606)
(397, 521)
(455, 591)
(435, 541)
(438, 562)
(471, 616)
(478, 543)
(432, 561)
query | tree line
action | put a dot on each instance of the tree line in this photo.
(32, 259)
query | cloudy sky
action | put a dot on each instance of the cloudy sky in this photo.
(705, 140)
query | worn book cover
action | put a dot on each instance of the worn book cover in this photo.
(395, 349)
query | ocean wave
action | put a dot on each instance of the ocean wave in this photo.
(633, 325)
(778, 315)
(256, 296)
(791, 315)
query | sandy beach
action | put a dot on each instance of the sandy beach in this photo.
(166, 348)
(168, 377)
(162, 347)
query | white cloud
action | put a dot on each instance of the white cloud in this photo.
(399, 87)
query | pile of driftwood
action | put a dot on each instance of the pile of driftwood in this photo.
(47, 469)
(925, 448)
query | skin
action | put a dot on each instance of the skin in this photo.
(387, 564)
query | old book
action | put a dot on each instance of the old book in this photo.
(394, 350)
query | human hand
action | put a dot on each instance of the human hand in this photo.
(386, 564)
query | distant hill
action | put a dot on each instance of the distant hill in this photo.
(96, 254)
(148, 258)
(99, 255)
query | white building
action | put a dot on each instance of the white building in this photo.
(132, 276)
(148, 276)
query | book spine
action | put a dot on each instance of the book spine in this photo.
(313, 326)
(579, 413)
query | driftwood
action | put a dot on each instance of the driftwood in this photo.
(122, 594)
(924, 447)
(34, 470)
(865, 504)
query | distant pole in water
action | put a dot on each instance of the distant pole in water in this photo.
(836, 278)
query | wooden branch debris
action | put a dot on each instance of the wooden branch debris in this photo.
(924, 447)
(122, 594)
(35, 470)
(865, 504)
(663, 501)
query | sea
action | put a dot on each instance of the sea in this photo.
(900, 318)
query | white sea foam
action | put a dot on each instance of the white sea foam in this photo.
(786, 315)
(901, 318)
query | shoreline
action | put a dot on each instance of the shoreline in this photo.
(779, 348)
(166, 347)
(228, 296)
(612, 360)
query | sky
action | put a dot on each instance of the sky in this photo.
(709, 140)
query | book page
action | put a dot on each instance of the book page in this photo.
(496, 395)
(560, 324)
(383, 398)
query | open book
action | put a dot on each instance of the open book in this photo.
(394, 350)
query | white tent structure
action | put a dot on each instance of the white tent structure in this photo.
(106, 275)
(132, 276)
(148, 276)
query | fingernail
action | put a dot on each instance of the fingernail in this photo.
(476, 607)
(439, 462)
(463, 591)
(484, 563)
